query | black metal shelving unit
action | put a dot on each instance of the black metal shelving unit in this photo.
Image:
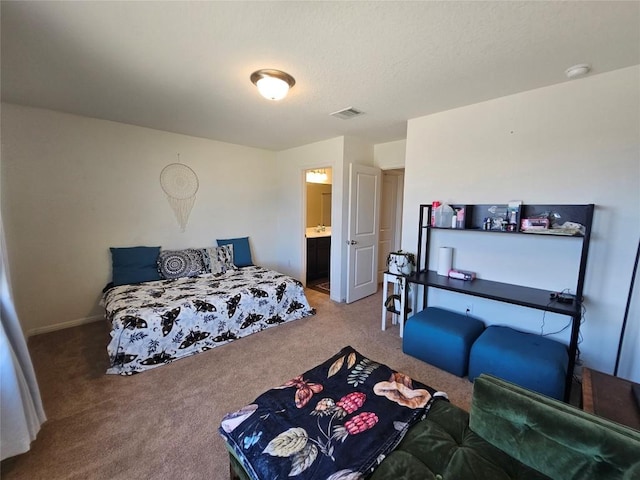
(505, 292)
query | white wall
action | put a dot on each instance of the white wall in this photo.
(291, 167)
(576, 142)
(73, 186)
(390, 155)
(336, 153)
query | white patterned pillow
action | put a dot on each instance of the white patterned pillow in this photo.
(181, 263)
(219, 259)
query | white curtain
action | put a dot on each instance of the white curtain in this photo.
(21, 412)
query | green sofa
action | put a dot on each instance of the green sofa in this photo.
(510, 433)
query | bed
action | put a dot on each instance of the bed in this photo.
(156, 322)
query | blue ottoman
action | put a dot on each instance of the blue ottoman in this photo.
(529, 360)
(442, 338)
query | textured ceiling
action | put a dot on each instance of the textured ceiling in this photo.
(184, 66)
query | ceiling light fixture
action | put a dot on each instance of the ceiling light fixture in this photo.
(272, 84)
(579, 70)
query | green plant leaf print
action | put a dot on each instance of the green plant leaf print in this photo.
(287, 443)
(303, 459)
(361, 372)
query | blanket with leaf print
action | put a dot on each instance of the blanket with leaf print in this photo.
(335, 422)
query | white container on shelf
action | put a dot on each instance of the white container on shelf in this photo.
(445, 260)
(443, 214)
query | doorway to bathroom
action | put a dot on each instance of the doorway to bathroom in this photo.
(318, 229)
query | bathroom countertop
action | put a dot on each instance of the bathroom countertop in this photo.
(312, 233)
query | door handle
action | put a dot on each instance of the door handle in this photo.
(351, 242)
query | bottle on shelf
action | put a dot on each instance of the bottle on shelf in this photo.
(460, 218)
(434, 206)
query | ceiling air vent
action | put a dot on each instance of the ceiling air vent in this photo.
(347, 113)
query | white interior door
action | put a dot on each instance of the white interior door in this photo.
(362, 239)
(390, 217)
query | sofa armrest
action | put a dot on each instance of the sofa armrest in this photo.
(550, 436)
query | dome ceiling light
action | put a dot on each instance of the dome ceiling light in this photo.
(576, 71)
(272, 84)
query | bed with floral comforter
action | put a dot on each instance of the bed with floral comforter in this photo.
(155, 323)
(336, 421)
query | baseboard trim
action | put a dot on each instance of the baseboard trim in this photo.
(63, 325)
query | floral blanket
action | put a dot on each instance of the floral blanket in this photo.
(336, 422)
(155, 323)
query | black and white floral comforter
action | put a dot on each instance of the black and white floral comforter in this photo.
(154, 323)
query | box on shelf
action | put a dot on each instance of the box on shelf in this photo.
(534, 224)
(461, 274)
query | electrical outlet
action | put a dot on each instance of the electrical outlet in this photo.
(469, 310)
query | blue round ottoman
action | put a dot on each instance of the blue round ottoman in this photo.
(442, 338)
(526, 359)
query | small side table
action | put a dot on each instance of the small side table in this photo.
(399, 284)
(610, 397)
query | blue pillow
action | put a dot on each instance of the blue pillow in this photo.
(134, 264)
(241, 251)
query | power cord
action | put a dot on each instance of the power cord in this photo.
(557, 331)
(583, 314)
(554, 297)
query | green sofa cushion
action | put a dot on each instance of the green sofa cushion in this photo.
(552, 437)
(443, 447)
(401, 464)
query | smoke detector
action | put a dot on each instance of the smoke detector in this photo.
(579, 70)
(347, 113)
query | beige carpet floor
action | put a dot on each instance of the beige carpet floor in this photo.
(162, 424)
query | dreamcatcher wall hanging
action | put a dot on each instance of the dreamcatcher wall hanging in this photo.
(180, 184)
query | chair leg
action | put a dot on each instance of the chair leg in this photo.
(384, 298)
